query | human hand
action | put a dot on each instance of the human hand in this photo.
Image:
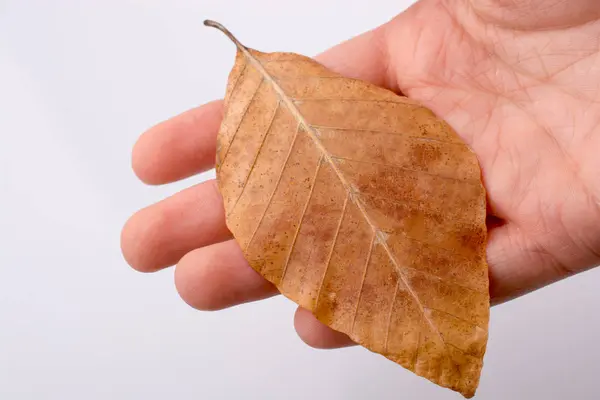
(520, 86)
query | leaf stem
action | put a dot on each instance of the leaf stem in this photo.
(216, 25)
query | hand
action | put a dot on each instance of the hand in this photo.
(519, 80)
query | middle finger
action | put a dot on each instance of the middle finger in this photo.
(159, 235)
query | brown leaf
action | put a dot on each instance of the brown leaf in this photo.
(361, 206)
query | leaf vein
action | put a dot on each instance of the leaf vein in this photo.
(416, 360)
(392, 133)
(470, 323)
(389, 318)
(255, 159)
(300, 100)
(397, 166)
(244, 113)
(310, 194)
(335, 237)
(362, 282)
(262, 217)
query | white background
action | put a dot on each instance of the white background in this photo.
(78, 82)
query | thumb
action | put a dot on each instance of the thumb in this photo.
(537, 14)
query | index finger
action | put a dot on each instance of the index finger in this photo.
(179, 147)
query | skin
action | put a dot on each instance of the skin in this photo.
(519, 80)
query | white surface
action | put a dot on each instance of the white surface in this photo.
(78, 83)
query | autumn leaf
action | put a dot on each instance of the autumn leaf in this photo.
(361, 206)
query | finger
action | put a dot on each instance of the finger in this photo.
(364, 57)
(218, 276)
(159, 235)
(518, 264)
(316, 334)
(525, 15)
(180, 147)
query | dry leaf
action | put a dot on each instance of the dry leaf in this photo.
(361, 206)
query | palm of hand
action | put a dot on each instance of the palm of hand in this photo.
(525, 101)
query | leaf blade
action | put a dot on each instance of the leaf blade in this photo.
(293, 242)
